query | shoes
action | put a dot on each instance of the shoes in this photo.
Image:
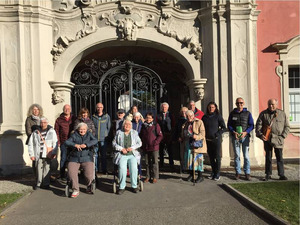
(121, 191)
(199, 179)
(36, 187)
(190, 177)
(75, 194)
(146, 180)
(89, 189)
(283, 178)
(135, 190)
(237, 176)
(216, 178)
(154, 181)
(211, 176)
(47, 187)
(267, 177)
(248, 177)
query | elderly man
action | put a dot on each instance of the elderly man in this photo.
(166, 122)
(240, 124)
(197, 112)
(272, 126)
(42, 147)
(63, 127)
(102, 124)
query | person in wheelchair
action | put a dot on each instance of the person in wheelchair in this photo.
(81, 143)
(126, 142)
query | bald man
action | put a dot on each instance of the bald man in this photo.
(273, 121)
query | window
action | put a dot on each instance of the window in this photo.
(294, 94)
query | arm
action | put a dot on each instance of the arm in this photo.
(200, 131)
(56, 128)
(250, 124)
(159, 136)
(229, 124)
(222, 126)
(286, 129)
(54, 143)
(28, 127)
(259, 124)
(108, 123)
(70, 142)
(115, 142)
(92, 141)
(137, 142)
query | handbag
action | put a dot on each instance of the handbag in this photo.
(197, 143)
(267, 128)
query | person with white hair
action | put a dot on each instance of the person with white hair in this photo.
(272, 126)
(42, 147)
(197, 112)
(81, 143)
(126, 142)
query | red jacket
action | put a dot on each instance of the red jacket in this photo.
(63, 128)
(198, 114)
(151, 137)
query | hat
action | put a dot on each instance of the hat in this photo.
(121, 111)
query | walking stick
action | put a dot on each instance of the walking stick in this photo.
(193, 167)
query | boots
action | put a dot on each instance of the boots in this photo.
(200, 177)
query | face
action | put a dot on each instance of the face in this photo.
(272, 105)
(127, 126)
(99, 108)
(82, 130)
(121, 115)
(134, 109)
(211, 108)
(192, 106)
(35, 111)
(183, 113)
(136, 118)
(149, 119)
(164, 108)
(190, 117)
(44, 124)
(67, 110)
(239, 104)
(85, 115)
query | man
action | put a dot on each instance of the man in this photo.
(273, 121)
(198, 113)
(118, 123)
(42, 147)
(166, 123)
(63, 127)
(102, 124)
(240, 124)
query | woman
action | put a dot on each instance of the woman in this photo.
(177, 133)
(81, 142)
(214, 128)
(193, 130)
(35, 112)
(133, 110)
(137, 122)
(42, 147)
(151, 137)
(126, 143)
(84, 116)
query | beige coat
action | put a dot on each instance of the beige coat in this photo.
(199, 131)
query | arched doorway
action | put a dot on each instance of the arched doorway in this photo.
(118, 85)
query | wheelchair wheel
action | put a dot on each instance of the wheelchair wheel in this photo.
(141, 185)
(93, 186)
(68, 189)
(114, 187)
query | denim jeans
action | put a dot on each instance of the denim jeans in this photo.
(63, 158)
(237, 143)
(132, 163)
(102, 146)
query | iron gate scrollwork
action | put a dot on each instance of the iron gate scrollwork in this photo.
(117, 85)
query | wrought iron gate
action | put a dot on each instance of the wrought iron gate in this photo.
(117, 85)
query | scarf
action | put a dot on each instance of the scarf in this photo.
(148, 124)
(37, 119)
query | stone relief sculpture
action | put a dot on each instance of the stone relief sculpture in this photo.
(57, 97)
(127, 20)
(199, 93)
(66, 5)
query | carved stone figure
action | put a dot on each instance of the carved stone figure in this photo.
(57, 98)
(199, 93)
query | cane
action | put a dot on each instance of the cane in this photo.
(193, 167)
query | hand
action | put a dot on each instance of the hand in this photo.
(124, 151)
(83, 146)
(195, 136)
(78, 147)
(53, 156)
(263, 137)
(129, 149)
(236, 135)
(49, 149)
(243, 134)
(32, 158)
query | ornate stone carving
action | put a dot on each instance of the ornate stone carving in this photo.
(199, 93)
(63, 41)
(66, 5)
(127, 20)
(198, 88)
(173, 28)
(57, 97)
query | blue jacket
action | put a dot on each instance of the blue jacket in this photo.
(86, 155)
(236, 118)
(102, 126)
(137, 126)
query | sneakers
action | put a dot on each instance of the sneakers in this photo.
(211, 176)
(216, 178)
(199, 179)
(267, 177)
(135, 190)
(248, 177)
(154, 181)
(89, 189)
(283, 178)
(121, 191)
(75, 194)
(237, 176)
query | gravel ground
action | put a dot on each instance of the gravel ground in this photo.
(25, 183)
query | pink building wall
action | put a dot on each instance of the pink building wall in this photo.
(277, 22)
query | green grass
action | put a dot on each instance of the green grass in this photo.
(282, 198)
(6, 199)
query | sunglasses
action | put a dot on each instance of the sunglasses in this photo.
(239, 103)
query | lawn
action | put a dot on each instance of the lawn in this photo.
(282, 198)
(6, 199)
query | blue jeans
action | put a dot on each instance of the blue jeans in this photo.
(237, 149)
(63, 157)
(102, 146)
(132, 162)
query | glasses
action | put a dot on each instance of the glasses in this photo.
(239, 103)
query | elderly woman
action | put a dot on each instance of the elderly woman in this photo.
(126, 143)
(137, 122)
(42, 147)
(193, 130)
(133, 110)
(81, 143)
(84, 117)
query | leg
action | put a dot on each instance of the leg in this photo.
(39, 172)
(218, 157)
(96, 149)
(46, 172)
(133, 170)
(210, 151)
(268, 166)
(147, 162)
(161, 153)
(88, 170)
(279, 159)
(155, 164)
(103, 156)
(63, 159)
(73, 168)
(123, 171)
(236, 149)
(245, 149)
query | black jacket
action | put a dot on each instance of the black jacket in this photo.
(214, 125)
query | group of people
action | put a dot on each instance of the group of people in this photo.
(134, 136)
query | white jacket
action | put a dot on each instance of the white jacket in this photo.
(35, 142)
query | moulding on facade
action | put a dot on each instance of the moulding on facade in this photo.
(198, 88)
(59, 89)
